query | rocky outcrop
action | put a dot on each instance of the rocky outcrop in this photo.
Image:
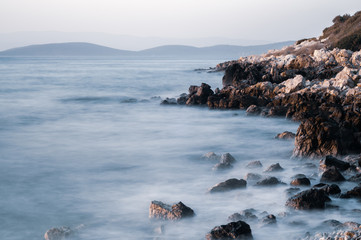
(309, 199)
(228, 185)
(234, 230)
(60, 233)
(254, 164)
(286, 135)
(354, 193)
(159, 210)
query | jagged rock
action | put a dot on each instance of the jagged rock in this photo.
(301, 182)
(227, 158)
(354, 193)
(228, 185)
(159, 210)
(58, 233)
(309, 199)
(293, 84)
(253, 110)
(286, 135)
(332, 175)
(245, 215)
(254, 164)
(234, 230)
(328, 189)
(274, 168)
(211, 156)
(199, 95)
(269, 181)
(330, 161)
(252, 177)
(268, 220)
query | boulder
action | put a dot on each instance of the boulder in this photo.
(228, 185)
(301, 182)
(286, 135)
(354, 193)
(330, 161)
(268, 220)
(332, 175)
(234, 230)
(269, 181)
(309, 199)
(227, 158)
(211, 156)
(199, 95)
(222, 166)
(159, 210)
(60, 233)
(252, 177)
(355, 178)
(254, 164)
(274, 168)
(328, 189)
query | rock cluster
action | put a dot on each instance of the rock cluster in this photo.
(321, 88)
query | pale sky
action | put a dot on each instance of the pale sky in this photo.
(270, 20)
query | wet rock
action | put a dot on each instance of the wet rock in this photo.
(301, 182)
(292, 191)
(254, 164)
(169, 101)
(227, 158)
(199, 95)
(332, 175)
(228, 185)
(300, 175)
(222, 166)
(233, 230)
(253, 110)
(330, 161)
(245, 215)
(354, 193)
(182, 99)
(274, 168)
(60, 233)
(252, 177)
(159, 210)
(211, 156)
(331, 223)
(309, 199)
(355, 178)
(269, 181)
(328, 189)
(268, 220)
(286, 135)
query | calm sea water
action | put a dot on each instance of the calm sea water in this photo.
(85, 142)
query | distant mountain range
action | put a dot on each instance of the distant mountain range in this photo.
(167, 51)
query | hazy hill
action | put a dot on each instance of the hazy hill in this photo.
(170, 51)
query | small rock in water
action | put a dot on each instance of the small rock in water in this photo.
(253, 177)
(228, 185)
(328, 189)
(233, 230)
(211, 156)
(58, 233)
(355, 178)
(245, 215)
(253, 110)
(286, 136)
(274, 168)
(169, 101)
(254, 164)
(268, 220)
(332, 175)
(354, 193)
(159, 210)
(292, 191)
(227, 158)
(309, 199)
(222, 166)
(301, 182)
(269, 181)
(300, 175)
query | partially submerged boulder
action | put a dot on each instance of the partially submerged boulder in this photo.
(286, 135)
(269, 181)
(301, 182)
(159, 210)
(228, 185)
(234, 230)
(309, 199)
(60, 233)
(330, 161)
(328, 189)
(332, 175)
(274, 168)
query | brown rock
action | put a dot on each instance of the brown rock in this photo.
(228, 185)
(286, 135)
(159, 210)
(234, 230)
(309, 199)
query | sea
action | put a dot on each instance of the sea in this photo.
(85, 143)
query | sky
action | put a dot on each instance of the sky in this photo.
(266, 20)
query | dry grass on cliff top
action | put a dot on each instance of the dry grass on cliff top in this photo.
(345, 33)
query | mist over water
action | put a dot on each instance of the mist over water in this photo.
(85, 142)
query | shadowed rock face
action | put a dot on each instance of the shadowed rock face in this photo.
(233, 230)
(309, 199)
(159, 210)
(332, 175)
(228, 185)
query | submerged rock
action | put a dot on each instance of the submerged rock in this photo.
(328, 189)
(354, 193)
(234, 230)
(228, 185)
(268, 220)
(159, 210)
(274, 168)
(330, 161)
(269, 181)
(60, 233)
(211, 156)
(245, 215)
(309, 199)
(227, 158)
(254, 164)
(286, 135)
(301, 182)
